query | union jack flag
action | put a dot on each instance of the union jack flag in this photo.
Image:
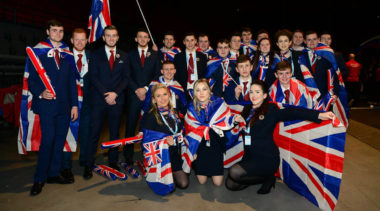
(100, 17)
(208, 52)
(169, 54)
(152, 153)
(309, 80)
(131, 170)
(109, 172)
(214, 63)
(252, 46)
(121, 142)
(312, 159)
(29, 136)
(262, 65)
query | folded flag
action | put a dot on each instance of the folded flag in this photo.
(109, 172)
(130, 170)
(121, 142)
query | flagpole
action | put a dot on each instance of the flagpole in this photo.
(145, 21)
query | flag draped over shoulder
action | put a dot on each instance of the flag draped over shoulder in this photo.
(262, 65)
(170, 53)
(213, 64)
(299, 94)
(252, 46)
(220, 118)
(100, 17)
(208, 52)
(309, 80)
(29, 136)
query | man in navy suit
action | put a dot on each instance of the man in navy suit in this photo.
(318, 66)
(81, 57)
(109, 76)
(55, 113)
(235, 42)
(145, 66)
(190, 65)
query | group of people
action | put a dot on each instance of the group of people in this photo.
(171, 87)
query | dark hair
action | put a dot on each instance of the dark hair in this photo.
(326, 32)
(202, 35)
(283, 32)
(167, 62)
(242, 59)
(169, 33)
(258, 52)
(53, 23)
(262, 109)
(234, 34)
(246, 29)
(310, 32)
(262, 31)
(110, 27)
(282, 66)
(189, 34)
(223, 41)
(297, 30)
(142, 30)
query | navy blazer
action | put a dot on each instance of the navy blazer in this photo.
(63, 82)
(142, 76)
(229, 93)
(86, 81)
(320, 76)
(104, 80)
(341, 64)
(217, 75)
(181, 66)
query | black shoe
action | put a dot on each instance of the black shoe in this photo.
(114, 166)
(68, 175)
(267, 185)
(87, 172)
(37, 188)
(129, 161)
(58, 179)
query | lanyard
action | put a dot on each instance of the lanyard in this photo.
(166, 123)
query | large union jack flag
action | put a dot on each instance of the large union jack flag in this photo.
(152, 153)
(169, 54)
(29, 137)
(100, 17)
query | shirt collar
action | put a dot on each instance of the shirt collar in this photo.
(108, 50)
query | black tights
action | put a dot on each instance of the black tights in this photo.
(239, 179)
(181, 179)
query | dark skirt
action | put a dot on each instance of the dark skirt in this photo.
(264, 167)
(209, 160)
(175, 158)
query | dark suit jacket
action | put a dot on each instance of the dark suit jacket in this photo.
(181, 65)
(229, 93)
(341, 64)
(142, 76)
(320, 76)
(217, 75)
(63, 82)
(104, 80)
(297, 72)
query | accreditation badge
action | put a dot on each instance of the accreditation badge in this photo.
(247, 140)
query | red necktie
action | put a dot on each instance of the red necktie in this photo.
(166, 57)
(313, 64)
(247, 51)
(287, 95)
(190, 69)
(237, 55)
(79, 63)
(246, 95)
(112, 60)
(56, 56)
(142, 58)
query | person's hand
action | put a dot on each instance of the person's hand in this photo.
(154, 47)
(74, 114)
(238, 118)
(112, 103)
(195, 156)
(238, 91)
(142, 98)
(140, 92)
(326, 116)
(335, 98)
(111, 96)
(46, 95)
(170, 140)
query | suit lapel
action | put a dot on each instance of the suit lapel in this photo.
(105, 59)
(117, 60)
(308, 64)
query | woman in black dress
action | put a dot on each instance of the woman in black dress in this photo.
(261, 155)
(164, 118)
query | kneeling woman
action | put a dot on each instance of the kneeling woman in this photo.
(164, 118)
(261, 155)
(202, 116)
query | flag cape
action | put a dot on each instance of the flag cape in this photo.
(29, 136)
(309, 80)
(252, 46)
(220, 118)
(262, 66)
(100, 17)
(208, 52)
(170, 53)
(213, 64)
(157, 162)
(299, 94)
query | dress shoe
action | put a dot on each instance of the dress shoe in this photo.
(129, 161)
(68, 175)
(114, 166)
(267, 185)
(37, 188)
(58, 179)
(87, 172)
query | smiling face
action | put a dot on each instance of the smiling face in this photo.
(169, 41)
(79, 41)
(297, 39)
(203, 43)
(256, 95)
(202, 93)
(161, 97)
(283, 43)
(55, 33)
(284, 77)
(223, 49)
(311, 41)
(142, 39)
(244, 69)
(190, 43)
(168, 71)
(111, 37)
(264, 47)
